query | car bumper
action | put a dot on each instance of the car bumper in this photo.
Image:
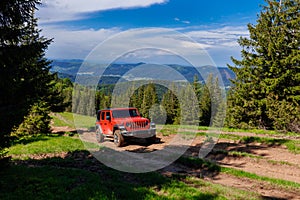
(140, 133)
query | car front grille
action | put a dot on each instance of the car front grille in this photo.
(137, 125)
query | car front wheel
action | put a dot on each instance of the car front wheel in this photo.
(118, 138)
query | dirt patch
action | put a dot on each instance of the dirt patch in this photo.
(63, 130)
(274, 162)
(266, 190)
(260, 167)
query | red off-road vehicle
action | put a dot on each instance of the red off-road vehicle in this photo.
(123, 124)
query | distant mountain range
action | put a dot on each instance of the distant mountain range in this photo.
(124, 72)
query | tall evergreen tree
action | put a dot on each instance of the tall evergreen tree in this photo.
(205, 102)
(171, 105)
(137, 97)
(101, 101)
(189, 105)
(24, 72)
(197, 86)
(268, 76)
(62, 92)
(149, 99)
(218, 107)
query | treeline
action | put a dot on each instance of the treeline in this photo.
(168, 103)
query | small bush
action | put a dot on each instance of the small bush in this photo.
(36, 122)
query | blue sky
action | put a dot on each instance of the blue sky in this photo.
(79, 26)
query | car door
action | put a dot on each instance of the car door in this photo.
(106, 122)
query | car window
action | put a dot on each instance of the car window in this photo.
(98, 116)
(125, 113)
(102, 115)
(107, 116)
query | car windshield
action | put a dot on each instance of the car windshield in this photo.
(125, 113)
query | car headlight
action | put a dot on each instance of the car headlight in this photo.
(152, 125)
(128, 124)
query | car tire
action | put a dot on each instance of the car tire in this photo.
(99, 135)
(118, 138)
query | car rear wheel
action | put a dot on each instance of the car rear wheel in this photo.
(118, 138)
(99, 135)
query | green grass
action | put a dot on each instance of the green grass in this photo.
(276, 162)
(82, 121)
(47, 144)
(260, 131)
(293, 146)
(224, 129)
(181, 190)
(236, 154)
(72, 120)
(230, 137)
(57, 121)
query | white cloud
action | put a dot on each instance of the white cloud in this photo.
(64, 10)
(186, 22)
(161, 45)
(182, 21)
(220, 44)
(226, 36)
(74, 43)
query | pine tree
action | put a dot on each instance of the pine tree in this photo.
(24, 72)
(205, 102)
(100, 101)
(137, 97)
(269, 72)
(189, 106)
(149, 99)
(61, 98)
(197, 86)
(171, 105)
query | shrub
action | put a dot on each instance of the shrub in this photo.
(36, 122)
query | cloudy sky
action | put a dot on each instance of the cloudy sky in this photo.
(79, 27)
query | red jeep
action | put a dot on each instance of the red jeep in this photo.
(122, 124)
